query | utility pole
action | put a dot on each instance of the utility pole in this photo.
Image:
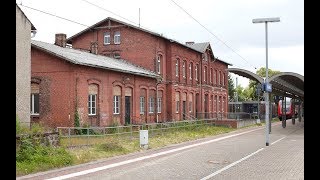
(267, 87)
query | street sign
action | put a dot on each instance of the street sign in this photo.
(267, 87)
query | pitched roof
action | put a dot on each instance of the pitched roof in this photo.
(32, 26)
(88, 59)
(202, 47)
(69, 40)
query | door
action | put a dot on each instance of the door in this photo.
(197, 105)
(206, 104)
(183, 110)
(127, 109)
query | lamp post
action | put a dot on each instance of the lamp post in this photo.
(266, 88)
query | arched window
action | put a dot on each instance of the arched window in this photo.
(116, 99)
(34, 99)
(177, 67)
(190, 98)
(196, 72)
(177, 102)
(92, 99)
(205, 74)
(190, 70)
(142, 100)
(184, 69)
(152, 95)
(159, 59)
(159, 102)
(211, 75)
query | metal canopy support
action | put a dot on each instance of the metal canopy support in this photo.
(299, 112)
(283, 112)
(294, 112)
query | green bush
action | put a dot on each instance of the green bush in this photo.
(34, 157)
(18, 126)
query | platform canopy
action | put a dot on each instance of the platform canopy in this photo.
(289, 84)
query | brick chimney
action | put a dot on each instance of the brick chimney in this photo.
(190, 43)
(61, 40)
(94, 47)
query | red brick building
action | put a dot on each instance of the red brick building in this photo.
(102, 90)
(180, 81)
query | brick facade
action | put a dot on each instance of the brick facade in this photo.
(64, 86)
(142, 48)
(64, 89)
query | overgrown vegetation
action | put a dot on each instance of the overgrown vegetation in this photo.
(31, 156)
(118, 145)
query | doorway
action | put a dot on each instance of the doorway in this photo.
(127, 109)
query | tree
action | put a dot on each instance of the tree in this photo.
(231, 88)
(253, 84)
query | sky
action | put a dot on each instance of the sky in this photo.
(226, 24)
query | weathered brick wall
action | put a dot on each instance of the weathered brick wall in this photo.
(23, 67)
(62, 83)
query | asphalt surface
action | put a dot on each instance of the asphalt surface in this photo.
(241, 154)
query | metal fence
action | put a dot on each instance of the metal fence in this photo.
(80, 136)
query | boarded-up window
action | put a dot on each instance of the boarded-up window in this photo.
(93, 89)
(128, 92)
(117, 91)
(177, 101)
(184, 96)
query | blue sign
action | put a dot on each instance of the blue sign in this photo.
(267, 87)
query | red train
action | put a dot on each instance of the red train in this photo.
(290, 109)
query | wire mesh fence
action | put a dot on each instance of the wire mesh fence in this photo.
(83, 136)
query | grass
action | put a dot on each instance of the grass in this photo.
(33, 158)
(117, 145)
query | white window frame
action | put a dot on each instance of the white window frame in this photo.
(204, 74)
(177, 68)
(92, 102)
(106, 35)
(196, 71)
(32, 104)
(158, 64)
(117, 37)
(116, 104)
(159, 106)
(184, 69)
(151, 104)
(190, 70)
(142, 100)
